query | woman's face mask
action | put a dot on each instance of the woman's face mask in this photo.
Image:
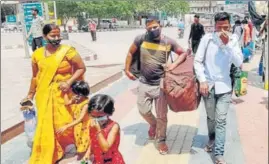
(53, 37)
(54, 42)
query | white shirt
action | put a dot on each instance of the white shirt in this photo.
(37, 27)
(214, 66)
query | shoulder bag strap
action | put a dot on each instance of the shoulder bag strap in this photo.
(210, 40)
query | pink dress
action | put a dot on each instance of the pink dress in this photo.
(113, 156)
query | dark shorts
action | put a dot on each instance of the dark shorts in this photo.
(37, 43)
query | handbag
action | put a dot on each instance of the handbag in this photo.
(181, 87)
(241, 83)
(29, 114)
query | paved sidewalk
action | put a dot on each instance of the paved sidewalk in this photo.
(252, 117)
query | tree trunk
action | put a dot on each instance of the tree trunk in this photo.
(98, 22)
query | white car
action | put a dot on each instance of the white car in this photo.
(13, 27)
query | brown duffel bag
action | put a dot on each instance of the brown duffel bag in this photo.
(181, 87)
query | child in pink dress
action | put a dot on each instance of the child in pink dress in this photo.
(104, 133)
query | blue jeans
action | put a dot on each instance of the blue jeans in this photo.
(217, 106)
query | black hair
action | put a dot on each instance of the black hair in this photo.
(244, 21)
(48, 27)
(237, 22)
(222, 16)
(80, 88)
(101, 103)
(36, 10)
(196, 16)
(246, 17)
(151, 19)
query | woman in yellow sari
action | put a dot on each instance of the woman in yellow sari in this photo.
(55, 67)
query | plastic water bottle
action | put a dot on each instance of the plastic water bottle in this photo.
(29, 125)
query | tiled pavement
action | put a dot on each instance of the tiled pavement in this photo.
(233, 150)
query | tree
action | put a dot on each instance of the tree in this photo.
(66, 10)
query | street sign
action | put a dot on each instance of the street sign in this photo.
(28, 17)
(229, 2)
(11, 18)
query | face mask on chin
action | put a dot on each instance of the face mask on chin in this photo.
(154, 34)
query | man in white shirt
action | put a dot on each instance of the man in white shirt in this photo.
(36, 30)
(212, 68)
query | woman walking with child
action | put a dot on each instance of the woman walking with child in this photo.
(55, 67)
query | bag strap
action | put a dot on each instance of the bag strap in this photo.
(210, 40)
(166, 51)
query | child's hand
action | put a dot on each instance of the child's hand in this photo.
(95, 124)
(61, 130)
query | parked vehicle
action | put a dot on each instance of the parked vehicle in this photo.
(107, 24)
(13, 27)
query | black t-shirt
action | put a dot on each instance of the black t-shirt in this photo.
(197, 31)
(153, 54)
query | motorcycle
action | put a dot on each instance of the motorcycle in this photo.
(180, 33)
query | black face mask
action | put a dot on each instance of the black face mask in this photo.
(54, 42)
(154, 34)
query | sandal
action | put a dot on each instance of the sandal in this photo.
(163, 148)
(152, 132)
(220, 162)
(209, 147)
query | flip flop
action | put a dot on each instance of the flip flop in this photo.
(209, 147)
(163, 148)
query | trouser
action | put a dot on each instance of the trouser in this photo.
(37, 43)
(194, 45)
(146, 95)
(93, 33)
(217, 106)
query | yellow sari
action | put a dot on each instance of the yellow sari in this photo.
(81, 130)
(51, 110)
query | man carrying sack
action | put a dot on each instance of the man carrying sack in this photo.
(154, 49)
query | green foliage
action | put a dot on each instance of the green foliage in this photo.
(118, 8)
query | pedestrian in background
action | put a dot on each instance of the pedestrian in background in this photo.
(246, 37)
(197, 32)
(36, 30)
(238, 30)
(212, 64)
(92, 27)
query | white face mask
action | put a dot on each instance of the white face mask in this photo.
(99, 119)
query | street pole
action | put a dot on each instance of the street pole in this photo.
(24, 32)
(55, 12)
(265, 59)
